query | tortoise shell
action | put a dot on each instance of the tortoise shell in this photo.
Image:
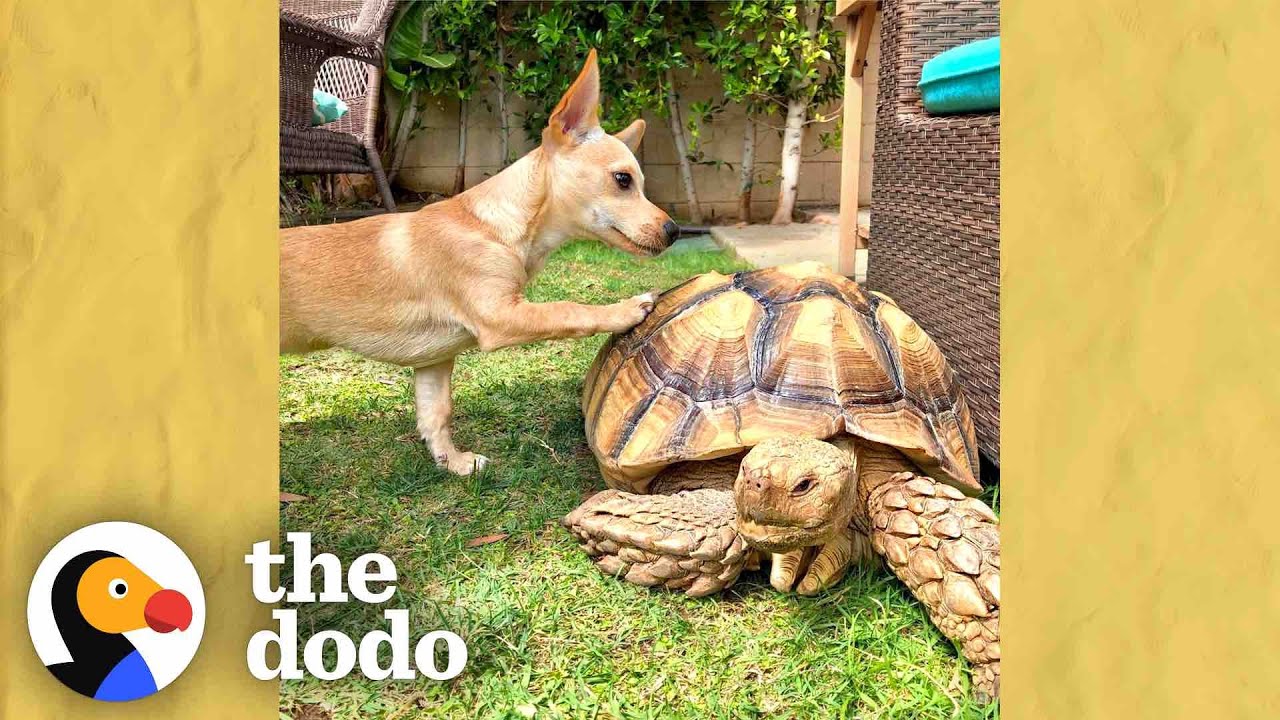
(724, 362)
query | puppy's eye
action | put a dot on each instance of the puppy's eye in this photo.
(805, 485)
(623, 179)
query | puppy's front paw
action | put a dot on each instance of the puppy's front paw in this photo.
(463, 463)
(633, 311)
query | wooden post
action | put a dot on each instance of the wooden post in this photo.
(859, 17)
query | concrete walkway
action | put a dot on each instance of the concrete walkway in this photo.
(769, 245)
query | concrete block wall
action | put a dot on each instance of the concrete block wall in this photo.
(430, 159)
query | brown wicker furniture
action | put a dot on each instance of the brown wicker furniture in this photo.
(935, 201)
(334, 45)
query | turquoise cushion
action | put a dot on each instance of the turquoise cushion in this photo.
(326, 107)
(963, 79)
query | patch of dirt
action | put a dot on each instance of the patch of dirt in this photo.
(310, 711)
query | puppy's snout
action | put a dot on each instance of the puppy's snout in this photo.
(671, 231)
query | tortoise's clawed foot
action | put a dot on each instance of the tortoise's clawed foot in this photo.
(784, 568)
(809, 571)
(682, 542)
(829, 566)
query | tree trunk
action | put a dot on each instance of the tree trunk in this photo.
(460, 176)
(792, 139)
(405, 118)
(793, 136)
(748, 171)
(502, 102)
(682, 151)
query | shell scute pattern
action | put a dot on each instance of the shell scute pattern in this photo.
(724, 362)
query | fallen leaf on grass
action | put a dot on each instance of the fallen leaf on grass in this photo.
(292, 497)
(486, 539)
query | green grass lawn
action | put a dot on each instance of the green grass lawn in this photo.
(549, 635)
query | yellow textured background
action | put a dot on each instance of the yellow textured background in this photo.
(1141, 398)
(138, 275)
(1141, 360)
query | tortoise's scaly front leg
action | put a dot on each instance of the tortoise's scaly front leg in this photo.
(684, 541)
(946, 548)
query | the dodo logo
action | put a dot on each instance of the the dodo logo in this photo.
(116, 611)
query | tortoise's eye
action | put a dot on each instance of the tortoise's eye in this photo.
(805, 485)
(118, 588)
(623, 179)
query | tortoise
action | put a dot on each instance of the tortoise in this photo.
(786, 413)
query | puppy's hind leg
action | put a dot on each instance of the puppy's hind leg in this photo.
(434, 400)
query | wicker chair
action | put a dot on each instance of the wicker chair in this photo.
(335, 45)
(935, 201)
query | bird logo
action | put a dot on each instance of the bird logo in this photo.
(103, 625)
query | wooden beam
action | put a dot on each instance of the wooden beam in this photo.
(863, 40)
(852, 7)
(856, 40)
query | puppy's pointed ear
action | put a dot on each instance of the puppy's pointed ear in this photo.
(578, 111)
(631, 135)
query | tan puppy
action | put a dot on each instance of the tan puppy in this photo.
(416, 289)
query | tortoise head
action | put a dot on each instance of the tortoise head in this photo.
(794, 492)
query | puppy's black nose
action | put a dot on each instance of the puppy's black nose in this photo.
(671, 230)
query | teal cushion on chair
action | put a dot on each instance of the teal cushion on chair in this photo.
(963, 79)
(326, 107)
